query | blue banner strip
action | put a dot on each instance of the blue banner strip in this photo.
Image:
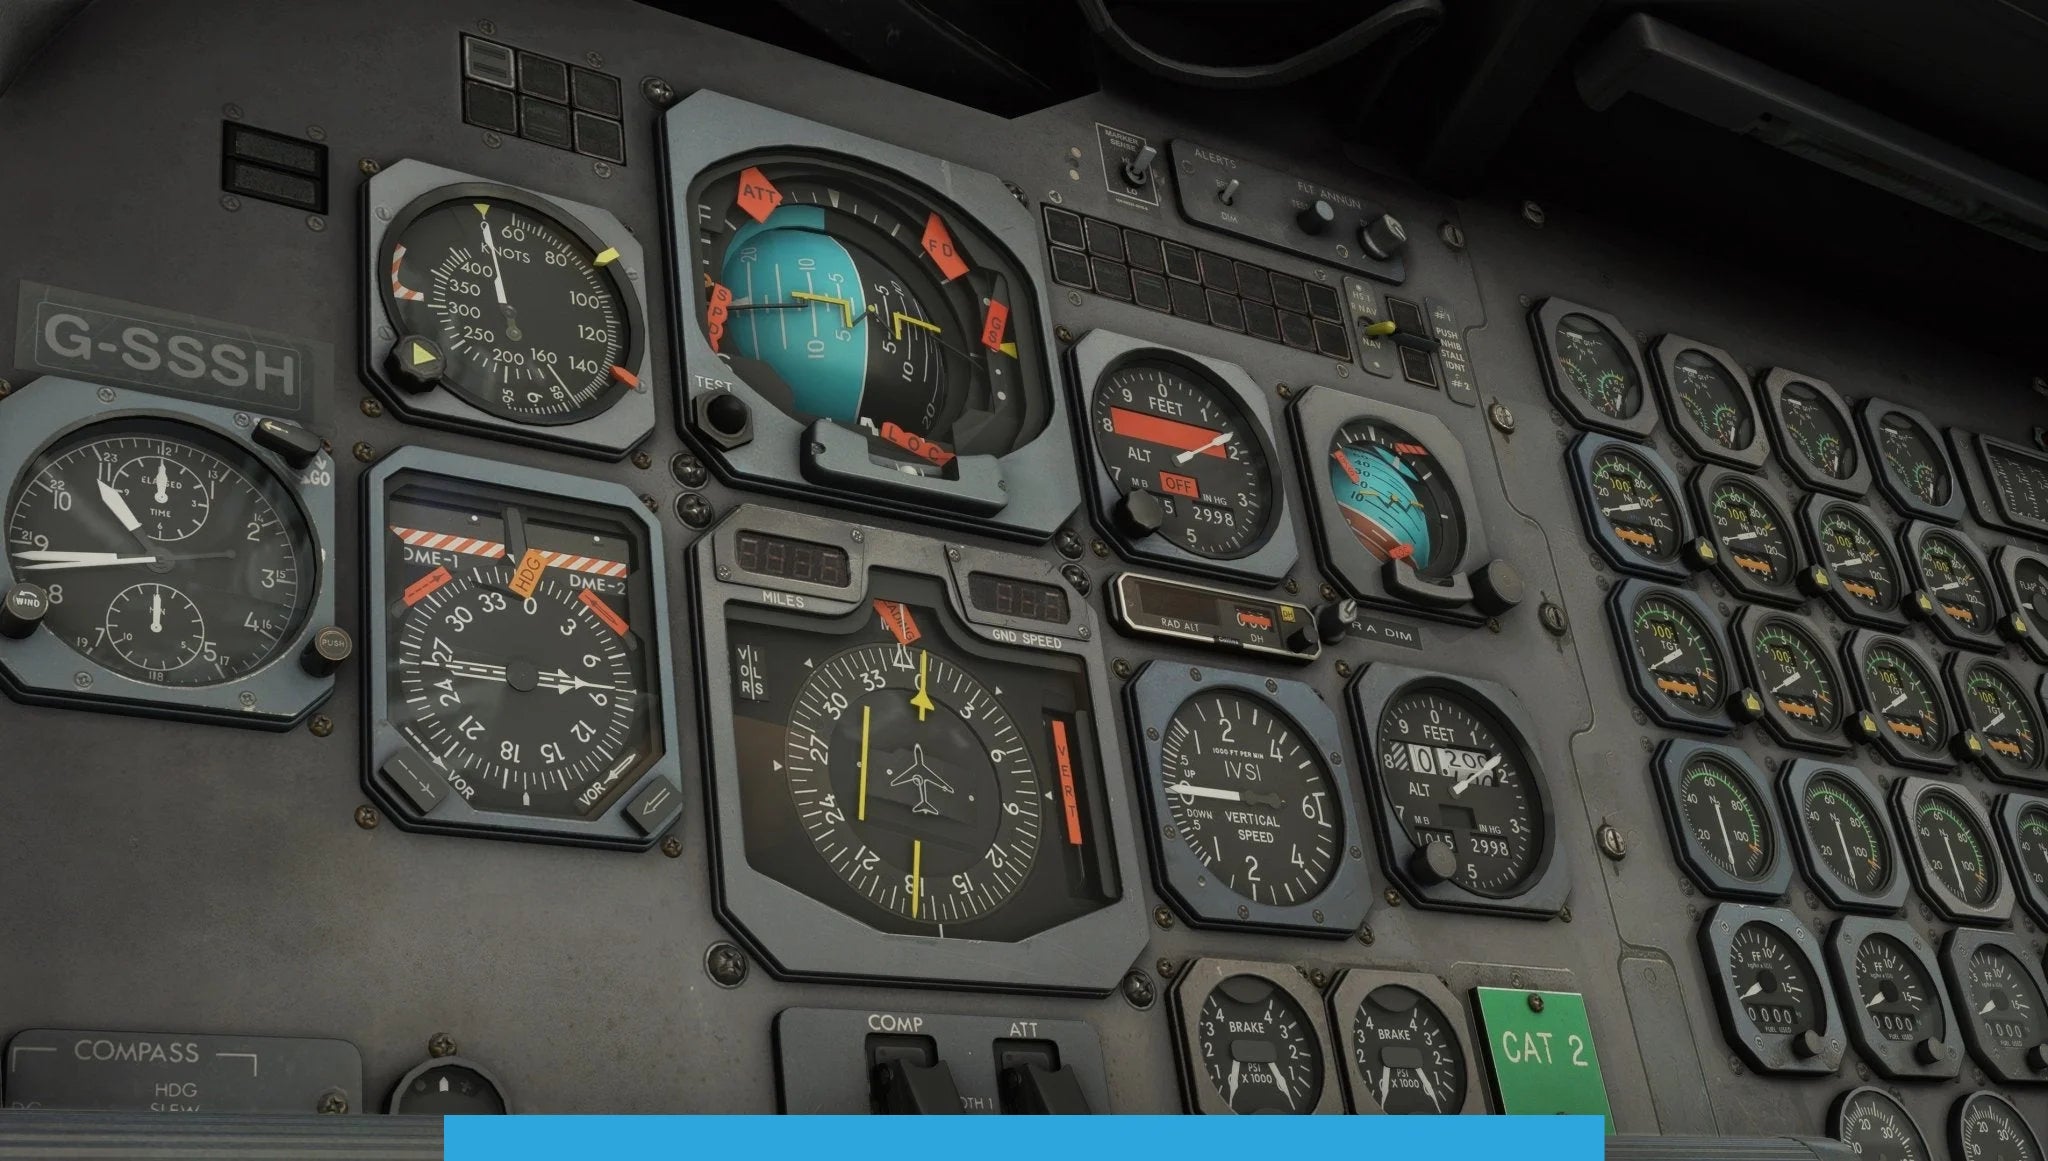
(1573, 1138)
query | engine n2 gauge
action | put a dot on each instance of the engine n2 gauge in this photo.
(504, 312)
(165, 557)
(1395, 522)
(1254, 820)
(1457, 792)
(846, 329)
(908, 744)
(519, 669)
(1183, 466)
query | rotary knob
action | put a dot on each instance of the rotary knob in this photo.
(1315, 217)
(1383, 237)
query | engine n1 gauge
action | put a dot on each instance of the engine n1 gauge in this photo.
(1252, 1038)
(164, 557)
(1634, 512)
(1996, 983)
(1707, 396)
(1400, 1041)
(1182, 461)
(2022, 821)
(1911, 464)
(1951, 850)
(1593, 368)
(1777, 1013)
(1395, 522)
(1899, 1016)
(908, 768)
(501, 311)
(1847, 846)
(1254, 819)
(861, 322)
(519, 655)
(1724, 824)
(1952, 591)
(1457, 794)
(1814, 435)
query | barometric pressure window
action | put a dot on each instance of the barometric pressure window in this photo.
(1707, 395)
(1593, 368)
(1245, 778)
(518, 680)
(1815, 438)
(1459, 799)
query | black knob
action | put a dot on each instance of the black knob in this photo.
(1333, 620)
(1139, 514)
(727, 413)
(1432, 863)
(1315, 217)
(2037, 1058)
(1383, 237)
(1809, 1044)
(292, 443)
(1138, 167)
(1932, 1051)
(417, 363)
(326, 651)
(22, 611)
(1496, 587)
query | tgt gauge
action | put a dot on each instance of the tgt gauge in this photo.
(1905, 712)
(1754, 549)
(1671, 651)
(2004, 714)
(1633, 510)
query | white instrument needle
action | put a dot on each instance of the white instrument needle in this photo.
(1221, 439)
(1190, 790)
(1894, 703)
(1492, 763)
(1727, 844)
(1794, 676)
(163, 481)
(44, 560)
(497, 267)
(1668, 658)
(1949, 847)
(1754, 989)
(1280, 1082)
(1631, 506)
(156, 611)
(111, 497)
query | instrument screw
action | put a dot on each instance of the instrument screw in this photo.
(1365, 936)
(1392, 897)
(368, 166)
(1121, 667)
(366, 817)
(1612, 844)
(642, 460)
(1532, 214)
(1099, 548)
(1138, 989)
(1162, 917)
(321, 725)
(1063, 334)
(1165, 968)
(1068, 541)
(1552, 616)
(1319, 978)
(1502, 417)
(726, 964)
(372, 408)
(364, 453)
(672, 847)
(440, 1044)
(658, 92)
(332, 1102)
(1565, 914)
(1535, 1001)
(1452, 234)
